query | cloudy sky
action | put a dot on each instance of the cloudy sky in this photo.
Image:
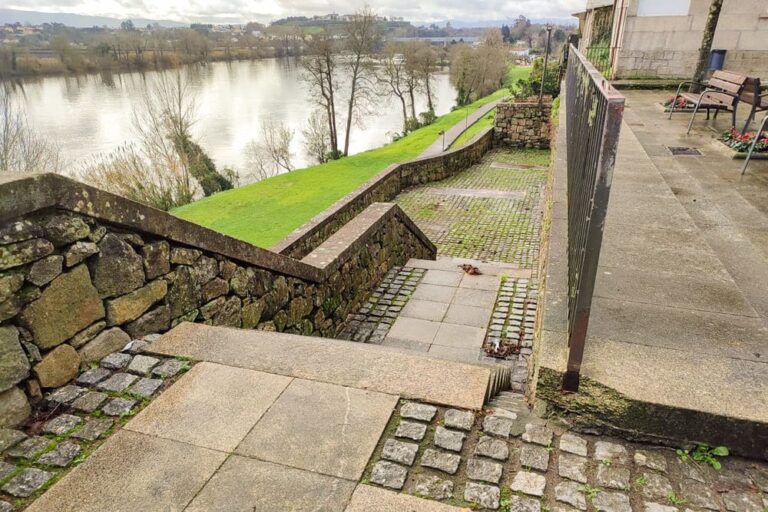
(233, 11)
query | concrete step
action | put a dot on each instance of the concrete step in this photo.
(400, 372)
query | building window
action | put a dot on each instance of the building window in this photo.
(663, 7)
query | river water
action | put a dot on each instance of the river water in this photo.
(91, 114)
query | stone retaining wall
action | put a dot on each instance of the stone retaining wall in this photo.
(523, 124)
(383, 187)
(83, 272)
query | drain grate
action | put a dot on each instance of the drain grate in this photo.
(679, 151)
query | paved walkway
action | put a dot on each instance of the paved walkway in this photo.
(488, 217)
(269, 421)
(265, 421)
(680, 310)
(453, 133)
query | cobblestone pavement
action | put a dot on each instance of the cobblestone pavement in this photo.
(466, 215)
(510, 333)
(510, 460)
(75, 419)
(373, 320)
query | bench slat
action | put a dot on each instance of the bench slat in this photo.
(725, 86)
(730, 76)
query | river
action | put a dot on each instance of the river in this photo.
(91, 114)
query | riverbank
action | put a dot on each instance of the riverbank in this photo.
(45, 63)
(264, 213)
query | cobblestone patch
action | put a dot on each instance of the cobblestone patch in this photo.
(486, 212)
(371, 323)
(516, 462)
(73, 420)
(512, 327)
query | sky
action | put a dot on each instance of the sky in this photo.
(237, 11)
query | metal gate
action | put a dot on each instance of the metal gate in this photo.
(597, 38)
(594, 111)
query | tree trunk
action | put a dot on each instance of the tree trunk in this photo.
(351, 104)
(405, 114)
(430, 106)
(413, 100)
(706, 43)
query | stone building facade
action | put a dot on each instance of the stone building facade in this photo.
(661, 38)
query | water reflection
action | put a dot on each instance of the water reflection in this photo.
(91, 114)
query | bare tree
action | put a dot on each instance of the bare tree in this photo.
(412, 76)
(320, 74)
(391, 77)
(164, 119)
(21, 150)
(141, 174)
(272, 154)
(463, 73)
(424, 59)
(477, 72)
(315, 136)
(166, 168)
(361, 39)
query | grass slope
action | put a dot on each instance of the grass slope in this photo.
(481, 124)
(264, 213)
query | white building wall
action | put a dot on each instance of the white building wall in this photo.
(667, 46)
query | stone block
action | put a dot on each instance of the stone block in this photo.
(14, 366)
(87, 334)
(156, 259)
(14, 407)
(79, 252)
(131, 306)
(389, 474)
(65, 229)
(118, 269)
(156, 321)
(67, 306)
(58, 367)
(111, 340)
(15, 255)
(45, 270)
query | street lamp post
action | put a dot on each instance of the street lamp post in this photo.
(546, 62)
(442, 133)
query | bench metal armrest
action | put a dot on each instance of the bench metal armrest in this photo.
(677, 94)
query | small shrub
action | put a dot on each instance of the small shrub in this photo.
(741, 143)
(530, 86)
(704, 453)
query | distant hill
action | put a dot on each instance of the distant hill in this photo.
(75, 20)
(497, 23)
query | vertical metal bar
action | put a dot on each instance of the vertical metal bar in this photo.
(754, 144)
(594, 113)
(546, 63)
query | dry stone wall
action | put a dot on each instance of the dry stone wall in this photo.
(74, 288)
(384, 187)
(523, 124)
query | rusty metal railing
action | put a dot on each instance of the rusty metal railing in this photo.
(594, 111)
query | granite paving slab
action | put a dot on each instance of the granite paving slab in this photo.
(321, 427)
(245, 485)
(367, 498)
(212, 406)
(131, 472)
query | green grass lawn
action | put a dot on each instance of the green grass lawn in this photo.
(264, 213)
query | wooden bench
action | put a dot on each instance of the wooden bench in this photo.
(722, 92)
